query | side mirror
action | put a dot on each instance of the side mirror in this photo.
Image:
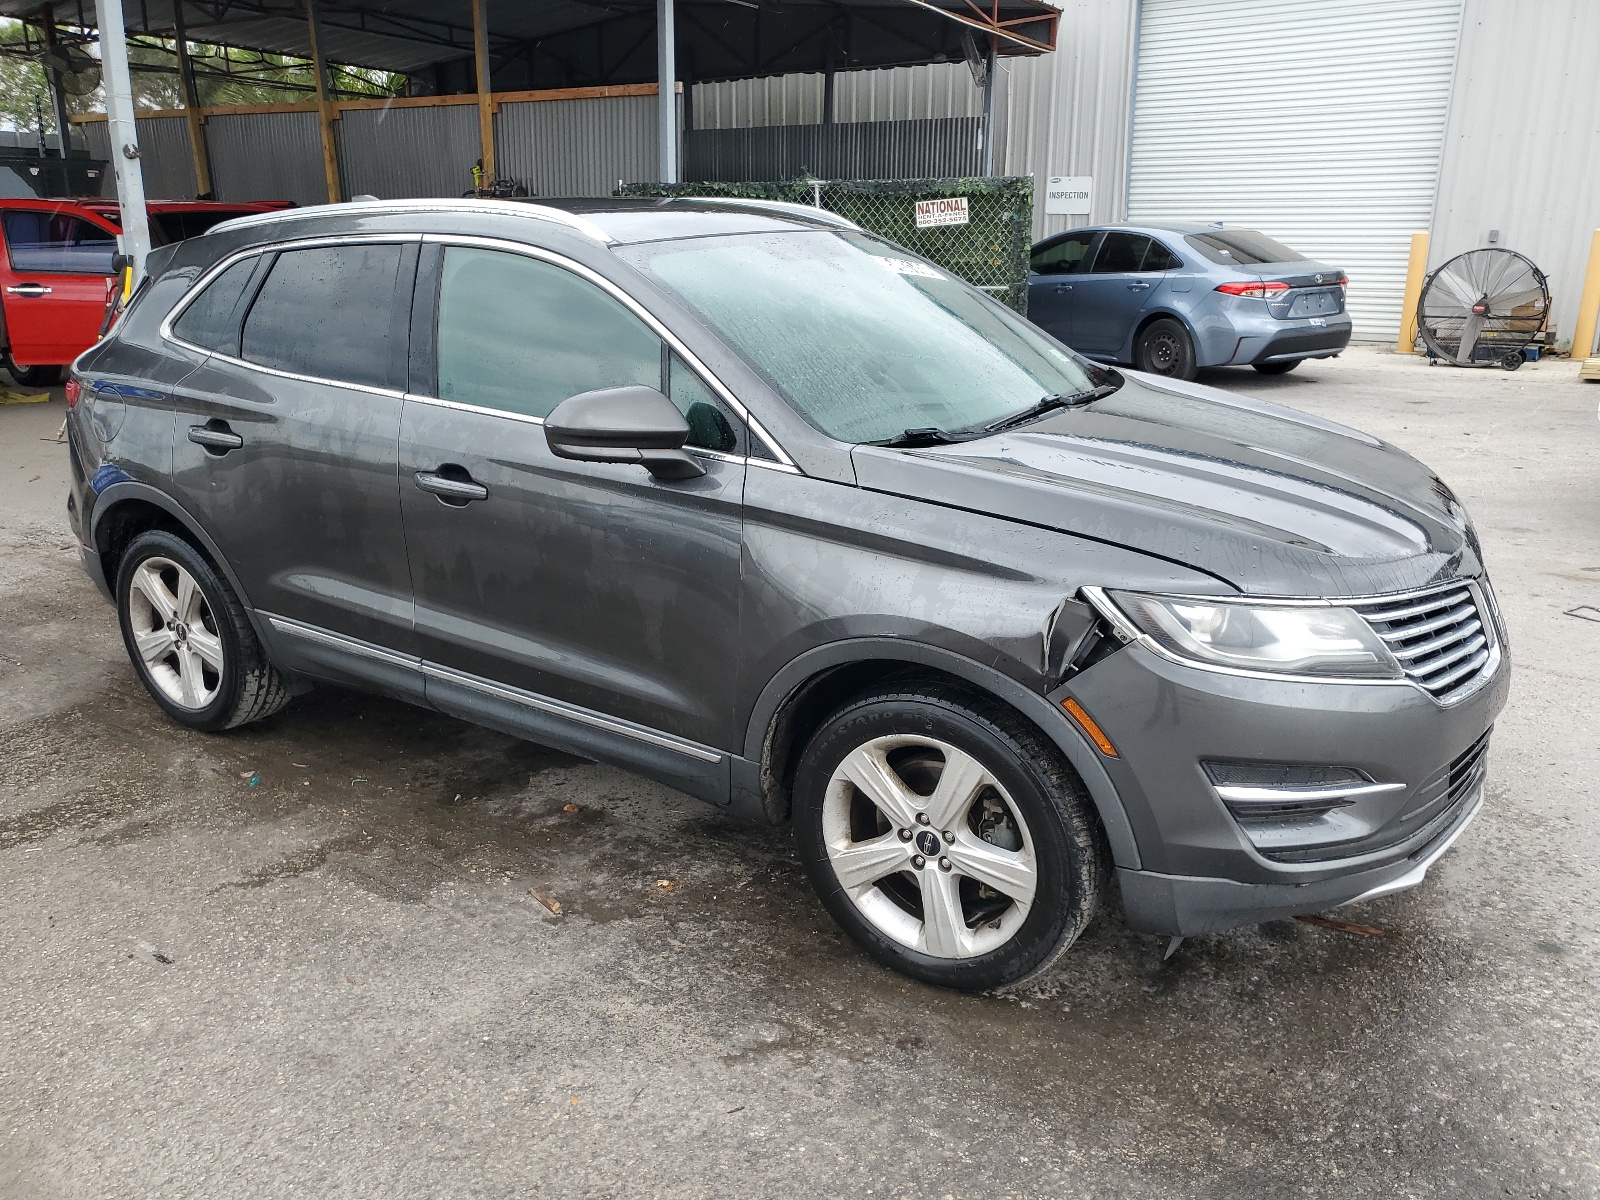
(623, 425)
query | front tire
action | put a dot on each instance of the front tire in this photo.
(947, 837)
(189, 639)
(1282, 367)
(34, 376)
(1165, 348)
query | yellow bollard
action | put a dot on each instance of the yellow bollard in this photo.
(1589, 304)
(1416, 268)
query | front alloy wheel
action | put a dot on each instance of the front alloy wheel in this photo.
(946, 835)
(928, 846)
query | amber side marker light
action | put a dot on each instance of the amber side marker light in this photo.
(1086, 722)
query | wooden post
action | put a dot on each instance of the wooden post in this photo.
(191, 104)
(1416, 269)
(1588, 303)
(480, 51)
(330, 150)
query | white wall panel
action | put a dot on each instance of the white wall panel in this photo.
(1321, 125)
(1522, 147)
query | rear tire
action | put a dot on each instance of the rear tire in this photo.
(970, 858)
(34, 376)
(1165, 348)
(1282, 367)
(188, 637)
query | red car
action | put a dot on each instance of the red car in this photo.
(56, 275)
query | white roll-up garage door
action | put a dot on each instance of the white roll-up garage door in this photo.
(1318, 123)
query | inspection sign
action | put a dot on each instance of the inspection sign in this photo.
(951, 210)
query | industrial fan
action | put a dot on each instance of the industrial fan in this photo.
(1482, 308)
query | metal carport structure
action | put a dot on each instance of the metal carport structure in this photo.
(548, 43)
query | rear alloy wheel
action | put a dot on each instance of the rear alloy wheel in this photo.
(189, 639)
(947, 837)
(1165, 348)
(1281, 367)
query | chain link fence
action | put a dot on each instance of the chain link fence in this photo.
(978, 229)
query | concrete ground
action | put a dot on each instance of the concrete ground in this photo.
(337, 980)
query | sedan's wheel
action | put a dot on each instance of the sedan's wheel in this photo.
(1281, 367)
(189, 638)
(947, 837)
(1165, 348)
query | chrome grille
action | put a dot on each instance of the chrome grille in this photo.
(1442, 638)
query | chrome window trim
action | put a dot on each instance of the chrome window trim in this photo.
(572, 712)
(204, 280)
(499, 208)
(722, 391)
(1244, 794)
(1130, 634)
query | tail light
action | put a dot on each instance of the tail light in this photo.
(72, 391)
(1254, 291)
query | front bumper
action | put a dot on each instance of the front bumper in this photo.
(1199, 869)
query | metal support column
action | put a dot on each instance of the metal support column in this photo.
(827, 80)
(124, 134)
(58, 98)
(191, 105)
(667, 84)
(480, 51)
(330, 149)
(989, 64)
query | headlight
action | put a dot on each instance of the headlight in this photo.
(1289, 639)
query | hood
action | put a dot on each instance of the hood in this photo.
(1269, 500)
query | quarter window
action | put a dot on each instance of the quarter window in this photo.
(58, 243)
(211, 321)
(1066, 257)
(332, 312)
(520, 334)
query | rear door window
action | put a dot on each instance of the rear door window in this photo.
(520, 334)
(1121, 253)
(1069, 256)
(334, 313)
(58, 243)
(212, 320)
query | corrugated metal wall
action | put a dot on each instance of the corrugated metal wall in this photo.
(1523, 141)
(163, 153)
(267, 156)
(926, 149)
(399, 153)
(1067, 113)
(904, 93)
(577, 147)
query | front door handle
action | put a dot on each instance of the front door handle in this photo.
(215, 436)
(1138, 287)
(1063, 287)
(451, 488)
(29, 289)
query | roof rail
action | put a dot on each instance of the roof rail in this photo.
(503, 208)
(784, 206)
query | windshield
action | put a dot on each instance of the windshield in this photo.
(864, 340)
(1241, 247)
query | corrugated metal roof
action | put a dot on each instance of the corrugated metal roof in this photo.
(578, 42)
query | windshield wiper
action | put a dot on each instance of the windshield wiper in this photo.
(1051, 403)
(928, 436)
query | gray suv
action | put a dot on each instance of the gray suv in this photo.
(774, 511)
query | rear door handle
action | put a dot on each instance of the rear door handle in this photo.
(1063, 287)
(451, 491)
(1138, 287)
(29, 289)
(215, 436)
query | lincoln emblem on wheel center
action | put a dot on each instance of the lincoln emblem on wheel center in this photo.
(928, 843)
